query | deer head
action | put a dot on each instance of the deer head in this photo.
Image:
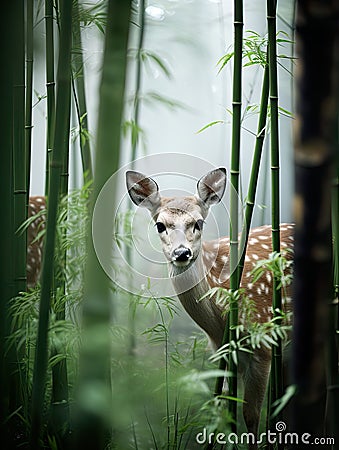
(179, 220)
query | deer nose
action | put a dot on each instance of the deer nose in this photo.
(182, 254)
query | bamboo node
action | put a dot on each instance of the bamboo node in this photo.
(275, 167)
(234, 172)
(50, 83)
(56, 164)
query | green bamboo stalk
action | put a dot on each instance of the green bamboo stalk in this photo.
(60, 146)
(234, 176)
(252, 188)
(135, 121)
(50, 85)
(92, 423)
(138, 81)
(7, 40)
(276, 370)
(29, 89)
(232, 319)
(60, 420)
(20, 185)
(80, 96)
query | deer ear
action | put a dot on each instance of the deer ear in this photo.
(143, 190)
(211, 187)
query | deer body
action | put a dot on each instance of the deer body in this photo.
(196, 266)
(36, 205)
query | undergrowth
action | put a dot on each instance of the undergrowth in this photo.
(163, 390)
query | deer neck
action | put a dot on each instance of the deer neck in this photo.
(191, 285)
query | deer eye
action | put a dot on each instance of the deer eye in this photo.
(160, 227)
(198, 225)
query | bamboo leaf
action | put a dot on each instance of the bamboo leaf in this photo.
(224, 60)
(211, 124)
(149, 56)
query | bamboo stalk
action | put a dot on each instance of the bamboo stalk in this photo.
(95, 360)
(50, 85)
(60, 420)
(20, 186)
(29, 89)
(276, 369)
(234, 176)
(60, 146)
(332, 410)
(252, 188)
(232, 319)
(80, 96)
(315, 145)
(135, 120)
(136, 111)
(7, 40)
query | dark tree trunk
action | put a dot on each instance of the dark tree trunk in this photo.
(315, 143)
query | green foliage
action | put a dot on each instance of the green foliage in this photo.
(95, 14)
(278, 265)
(148, 58)
(255, 335)
(255, 49)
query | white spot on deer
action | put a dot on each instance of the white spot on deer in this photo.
(258, 316)
(265, 246)
(247, 259)
(250, 286)
(259, 290)
(263, 237)
(262, 286)
(253, 241)
(255, 256)
(268, 277)
(224, 259)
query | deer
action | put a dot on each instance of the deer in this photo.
(36, 205)
(196, 266)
